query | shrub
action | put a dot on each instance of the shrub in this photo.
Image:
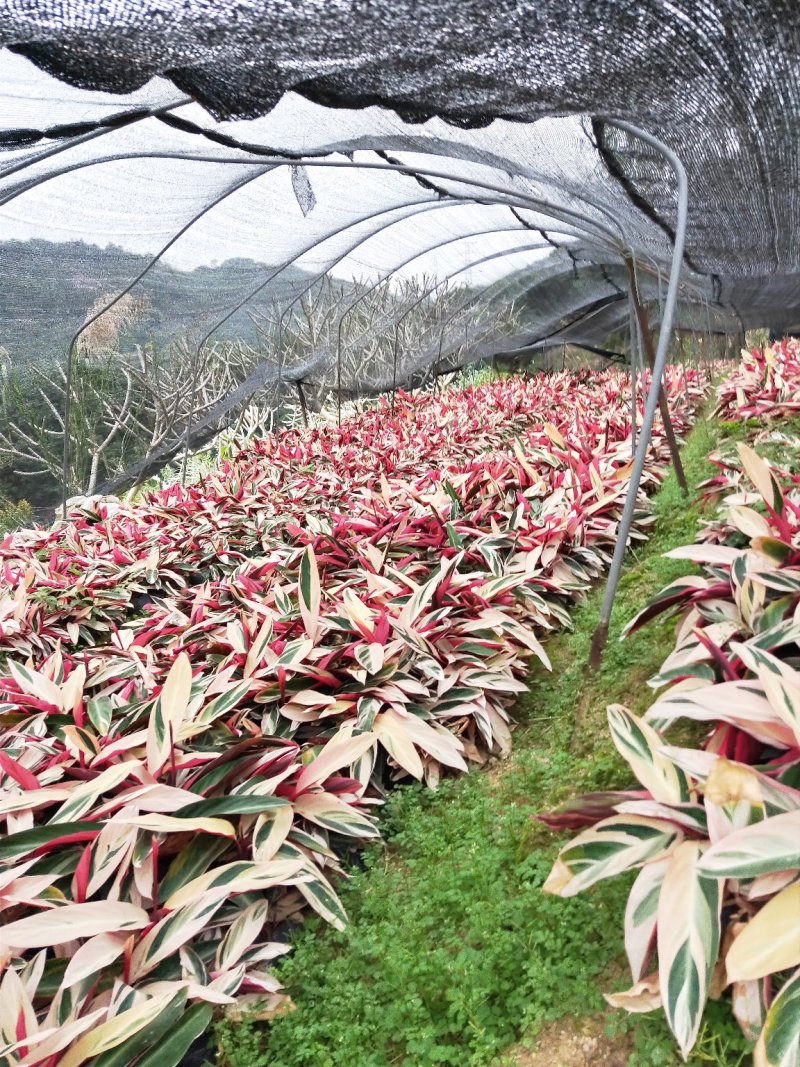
(14, 515)
(715, 831)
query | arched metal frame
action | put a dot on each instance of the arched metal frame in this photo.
(115, 123)
(626, 520)
(519, 201)
(253, 293)
(449, 277)
(254, 381)
(116, 299)
(587, 227)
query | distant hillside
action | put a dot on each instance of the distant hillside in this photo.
(48, 288)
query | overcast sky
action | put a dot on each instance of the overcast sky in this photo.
(140, 204)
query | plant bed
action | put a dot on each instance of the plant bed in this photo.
(207, 693)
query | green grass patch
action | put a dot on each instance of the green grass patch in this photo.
(453, 952)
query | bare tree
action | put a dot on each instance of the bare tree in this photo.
(134, 405)
(125, 401)
(376, 336)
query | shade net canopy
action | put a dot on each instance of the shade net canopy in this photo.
(204, 205)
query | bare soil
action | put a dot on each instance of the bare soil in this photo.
(572, 1043)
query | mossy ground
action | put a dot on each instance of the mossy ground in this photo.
(453, 954)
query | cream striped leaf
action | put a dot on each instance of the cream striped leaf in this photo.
(614, 845)
(688, 936)
(779, 1043)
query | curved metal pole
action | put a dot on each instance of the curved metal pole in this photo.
(385, 278)
(645, 336)
(131, 118)
(260, 288)
(501, 288)
(212, 417)
(632, 329)
(400, 266)
(448, 277)
(471, 265)
(352, 248)
(322, 274)
(471, 300)
(538, 204)
(276, 160)
(583, 317)
(623, 531)
(115, 300)
(466, 304)
(513, 198)
(427, 206)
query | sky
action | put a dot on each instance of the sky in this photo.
(140, 204)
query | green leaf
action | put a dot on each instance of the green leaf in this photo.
(320, 895)
(170, 933)
(457, 508)
(331, 813)
(15, 845)
(100, 711)
(612, 846)
(639, 744)
(222, 703)
(191, 862)
(234, 804)
(171, 1051)
(641, 913)
(771, 845)
(688, 935)
(453, 536)
(308, 589)
(779, 1043)
(148, 1039)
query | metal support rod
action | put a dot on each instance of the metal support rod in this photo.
(634, 356)
(418, 254)
(585, 226)
(310, 246)
(132, 117)
(383, 278)
(470, 300)
(368, 166)
(645, 334)
(626, 521)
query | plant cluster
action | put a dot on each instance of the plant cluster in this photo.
(765, 385)
(715, 830)
(207, 693)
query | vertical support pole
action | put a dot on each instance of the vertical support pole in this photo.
(601, 633)
(646, 337)
(301, 395)
(634, 355)
(65, 458)
(339, 388)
